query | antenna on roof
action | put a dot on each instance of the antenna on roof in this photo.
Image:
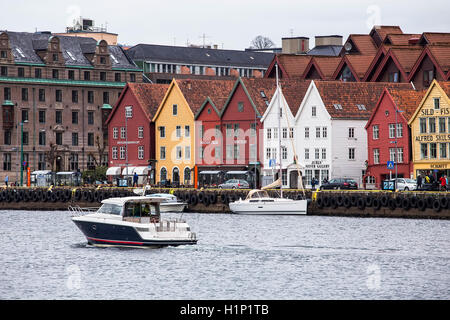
(204, 38)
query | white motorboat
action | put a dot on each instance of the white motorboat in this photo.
(259, 202)
(170, 202)
(132, 222)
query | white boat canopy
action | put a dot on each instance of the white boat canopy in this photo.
(113, 171)
(273, 185)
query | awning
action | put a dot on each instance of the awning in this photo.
(141, 171)
(130, 171)
(237, 172)
(41, 172)
(210, 172)
(113, 171)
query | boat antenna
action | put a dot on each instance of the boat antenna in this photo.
(280, 175)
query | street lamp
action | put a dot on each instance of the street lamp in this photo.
(128, 114)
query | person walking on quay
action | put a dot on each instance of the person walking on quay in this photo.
(6, 180)
(419, 181)
(135, 179)
(443, 180)
(313, 183)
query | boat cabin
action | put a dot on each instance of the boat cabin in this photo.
(133, 209)
(257, 195)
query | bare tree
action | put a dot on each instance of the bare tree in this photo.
(261, 42)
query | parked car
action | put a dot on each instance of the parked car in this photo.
(340, 183)
(404, 184)
(234, 184)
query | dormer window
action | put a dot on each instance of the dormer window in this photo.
(102, 60)
(55, 57)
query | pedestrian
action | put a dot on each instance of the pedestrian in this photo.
(135, 179)
(419, 181)
(313, 183)
(6, 180)
(443, 184)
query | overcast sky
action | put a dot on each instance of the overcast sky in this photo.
(231, 24)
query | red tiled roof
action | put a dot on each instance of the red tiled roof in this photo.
(364, 43)
(351, 94)
(360, 63)
(294, 65)
(407, 100)
(326, 65)
(383, 31)
(436, 38)
(254, 87)
(401, 39)
(442, 56)
(149, 96)
(406, 56)
(445, 85)
(294, 91)
(196, 91)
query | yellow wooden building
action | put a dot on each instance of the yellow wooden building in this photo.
(430, 132)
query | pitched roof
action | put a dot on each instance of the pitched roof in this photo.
(351, 94)
(383, 31)
(294, 91)
(406, 100)
(442, 56)
(326, 66)
(149, 96)
(360, 63)
(364, 44)
(294, 65)
(445, 85)
(435, 38)
(406, 56)
(326, 50)
(401, 39)
(204, 56)
(255, 87)
(217, 95)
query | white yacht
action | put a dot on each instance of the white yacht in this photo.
(132, 222)
(170, 202)
(259, 201)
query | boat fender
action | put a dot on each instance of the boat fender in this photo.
(201, 196)
(369, 201)
(67, 194)
(436, 205)
(429, 201)
(193, 200)
(421, 204)
(354, 200)
(346, 202)
(206, 201)
(17, 197)
(361, 203)
(444, 202)
(326, 201)
(376, 203)
(78, 195)
(413, 202)
(406, 204)
(91, 197)
(333, 203)
(320, 202)
(85, 195)
(8, 197)
(96, 195)
(392, 204)
(213, 198)
(340, 200)
(384, 200)
(53, 197)
(398, 201)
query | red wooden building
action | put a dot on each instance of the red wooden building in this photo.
(388, 127)
(134, 128)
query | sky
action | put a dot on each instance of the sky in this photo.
(230, 24)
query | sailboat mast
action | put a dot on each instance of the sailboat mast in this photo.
(280, 175)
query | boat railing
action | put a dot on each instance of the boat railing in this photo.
(77, 211)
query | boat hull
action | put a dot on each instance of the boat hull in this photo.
(117, 235)
(294, 207)
(172, 207)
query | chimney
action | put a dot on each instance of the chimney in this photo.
(332, 40)
(295, 45)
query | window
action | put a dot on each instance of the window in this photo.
(275, 133)
(59, 139)
(400, 155)
(87, 75)
(163, 174)
(55, 57)
(399, 130)
(393, 77)
(269, 133)
(178, 131)
(21, 72)
(229, 129)
(162, 132)
(162, 153)
(324, 153)
(141, 152)
(70, 75)
(132, 77)
(58, 116)
(106, 99)
(140, 132)
(253, 129)
(423, 125)
(42, 138)
(284, 153)
(4, 71)
(55, 74)
(240, 107)
(187, 131)
(7, 137)
(102, 76)
(376, 156)
(376, 132)
(122, 153)
(252, 152)
(74, 138)
(351, 132)
(217, 152)
(7, 162)
(324, 132)
(90, 139)
(90, 97)
(102, 60)
(291, 133)
(392, 130)
(316, 153)
(3, 54)
(90, 117)
(74, 117)
(229, 151)
(115, 133)
(218, 132)
(307, 132)
(424, 151)
(24, 94)
(38, 73)
(187, 153)
(443, 150)
(117, 77)
(41, 161)
(122, 133)
(436, 103)
(114, 153)
(268, 153)
(42, 95)
(41, 116)
(24, 115)
(236, 151)
(25, 138)
(392, 154)
(306, 154)
(175, 110)
(337, 106)
(442, 122)
(318, 132)
(313, 111)
(351, 153)
(432, 125)
(58, 95)
(285, 131)
(433, 151)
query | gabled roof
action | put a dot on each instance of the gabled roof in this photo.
(292, 65)
(361, 44)
(149, 96)
(402, 39)
(406, 100)
(440, 57)
(403, 57)
(383, 31)
(351, 94)
(294, 91)
(443, 86)
(204, 56)
(217, 96)
(325, 66)
(435, 38)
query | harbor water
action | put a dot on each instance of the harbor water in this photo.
(44, 256)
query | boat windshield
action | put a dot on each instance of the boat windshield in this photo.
(256, 194)
(109, 208)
